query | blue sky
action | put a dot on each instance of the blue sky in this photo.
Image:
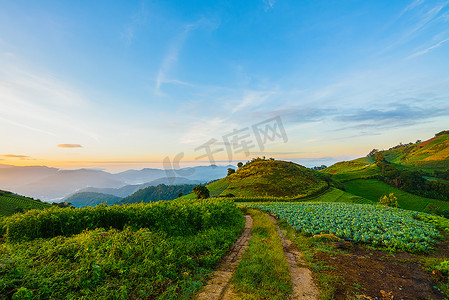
(121, 84)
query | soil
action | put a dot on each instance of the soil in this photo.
(303, 286)
(219, 287)
(375, 274)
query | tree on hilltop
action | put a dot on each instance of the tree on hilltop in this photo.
(201, 192)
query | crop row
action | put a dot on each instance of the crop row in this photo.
(8, 204)
(378, 225)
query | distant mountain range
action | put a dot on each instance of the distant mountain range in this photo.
(127, 190)
(52, 184)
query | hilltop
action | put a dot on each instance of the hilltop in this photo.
(430, 154)
(269, 178)
(91, 199)
(415, 172)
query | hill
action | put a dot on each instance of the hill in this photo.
(268, 178)
(198, 173)
(91, 199)
(11, 203)
(363, 167)
(430, 154)
(156, 193)
(127, 190)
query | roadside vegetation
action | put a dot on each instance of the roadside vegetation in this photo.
(152, 251)
(263, 272)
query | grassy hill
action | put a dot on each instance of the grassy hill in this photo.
(91, 199)
(363, 167)
(430, 154)
(11, 203)
(373, 189)
(268, 178)
(157, 193)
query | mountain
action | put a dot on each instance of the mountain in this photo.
(51, 184)
(91, 199)
(272, 178)
(134, 177)
(199, 174)
(157, 193)
(12, 176)
(64, 182)
(11, 203)
(129, 189)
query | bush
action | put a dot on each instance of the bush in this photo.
(201, 192)
(390, 200)
(176, 218)
(444, 267)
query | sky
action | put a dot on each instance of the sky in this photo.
(132, 84)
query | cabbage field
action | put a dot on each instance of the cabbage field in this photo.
(364, 223)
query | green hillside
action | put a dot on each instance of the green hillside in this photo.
(373, 189)
(430, 154)
(336, 195)
(363, 167)
(268, 178)
(157, 193)
(91, 199)
(11, 203)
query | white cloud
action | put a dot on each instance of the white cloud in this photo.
(138, 19)
(171, 57)
(428, 49)
(38, 101)
(252, 98)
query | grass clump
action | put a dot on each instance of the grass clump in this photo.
(263, 272)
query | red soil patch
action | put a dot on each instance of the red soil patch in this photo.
(426, 142)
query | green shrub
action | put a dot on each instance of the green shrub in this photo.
(177, 218)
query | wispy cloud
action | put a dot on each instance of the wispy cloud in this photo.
(422, 52)
(412, 5)
(138, 19)
(21, 157)
(171, 57)
(37, 100)
(70, 146)
(252, 98)
(268, 4)
(401, 115)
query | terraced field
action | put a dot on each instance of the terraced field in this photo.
(11, 203)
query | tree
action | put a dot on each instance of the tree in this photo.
(230, 171)
(378, 158)
(390, 200)
(373, 152)
(201, 192)
(240, 164)
(179, 195)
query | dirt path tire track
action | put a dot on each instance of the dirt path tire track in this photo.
(303, 286)
(219, 287)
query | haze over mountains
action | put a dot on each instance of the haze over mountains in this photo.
(52, 184)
